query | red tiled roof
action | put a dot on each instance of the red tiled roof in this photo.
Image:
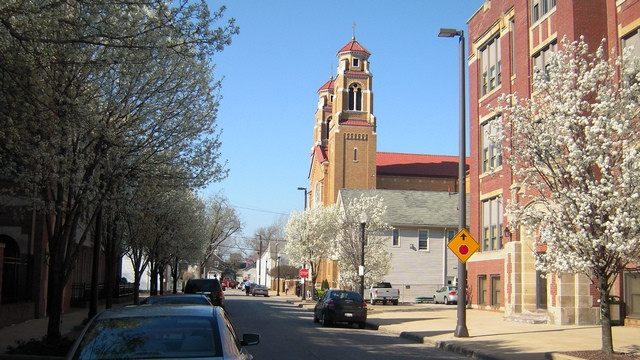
(321, 154)
(327, 86)
(355, 123)
(417, 164)
(353, 45)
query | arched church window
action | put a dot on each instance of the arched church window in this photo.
(355, 154)
(328, 127)
(355, 97)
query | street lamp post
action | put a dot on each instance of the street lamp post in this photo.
(305, 196)
(304, 285)
(363, 223)
(278, 265)
(461, 327)
(259, 257)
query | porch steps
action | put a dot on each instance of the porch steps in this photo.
(530, 317)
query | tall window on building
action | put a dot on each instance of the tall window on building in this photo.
(491, 147)
(541, 58)
(492, 224)
(395, 238)
(482, 290)
(495, 290)
(490, 65)
(355, 154)
(512, 47)
(423, 239)
(355, 97)
(540, 8)
(632, 59)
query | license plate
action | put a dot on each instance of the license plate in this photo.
(348, 314)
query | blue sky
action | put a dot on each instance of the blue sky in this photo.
(287, 49)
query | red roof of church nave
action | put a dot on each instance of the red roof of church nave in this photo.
(417, 164)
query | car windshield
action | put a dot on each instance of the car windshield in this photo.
(201, 285)
(177, 300)
(150, 338)
(346, 295)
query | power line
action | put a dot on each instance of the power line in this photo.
(259, 210)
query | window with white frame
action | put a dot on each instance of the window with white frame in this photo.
(492, 224)
(423, 239)
(491, 147)
(490, 65)
(450, 235)
(395, 238)
(541, 58)
(540, 8)
(356, 62)
(632, 59)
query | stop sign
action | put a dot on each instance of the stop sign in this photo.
(304, 273)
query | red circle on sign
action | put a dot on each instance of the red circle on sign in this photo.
(304, 273)
(463, 249)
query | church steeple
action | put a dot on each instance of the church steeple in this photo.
(344, 151)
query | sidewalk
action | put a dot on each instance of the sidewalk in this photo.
(490, 336)
(72, 321)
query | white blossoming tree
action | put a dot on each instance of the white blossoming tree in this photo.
(348, 246)
(310, 235)
(573, 147)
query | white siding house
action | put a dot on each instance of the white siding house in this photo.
(423, 222)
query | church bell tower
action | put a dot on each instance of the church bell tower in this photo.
(344, 151)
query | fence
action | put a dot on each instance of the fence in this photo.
(81, 292)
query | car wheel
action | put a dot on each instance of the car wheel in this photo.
(325, 322)
(395, 302)
(446, 301)
(315, 318)
(362, 324)
(254, 294)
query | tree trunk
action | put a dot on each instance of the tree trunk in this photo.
(136, 286)
(174, 275)
(54, 299)
(607, 336)
(95, 265)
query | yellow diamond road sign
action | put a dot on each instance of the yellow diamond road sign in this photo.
(463, 245)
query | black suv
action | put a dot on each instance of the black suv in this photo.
(209, 287)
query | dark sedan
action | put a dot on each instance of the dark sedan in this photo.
(193, 299)
(341, 306)
(162, 331)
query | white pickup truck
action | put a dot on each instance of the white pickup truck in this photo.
(384, 292)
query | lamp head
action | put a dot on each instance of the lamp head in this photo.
(363, 218)
(444, 32)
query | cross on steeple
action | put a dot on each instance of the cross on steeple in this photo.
(353, 31)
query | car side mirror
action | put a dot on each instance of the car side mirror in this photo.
(250, 339)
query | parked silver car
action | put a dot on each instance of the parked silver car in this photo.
(260, 290)
(162, 331)
(447, 295)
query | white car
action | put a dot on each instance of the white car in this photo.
(447, 295)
